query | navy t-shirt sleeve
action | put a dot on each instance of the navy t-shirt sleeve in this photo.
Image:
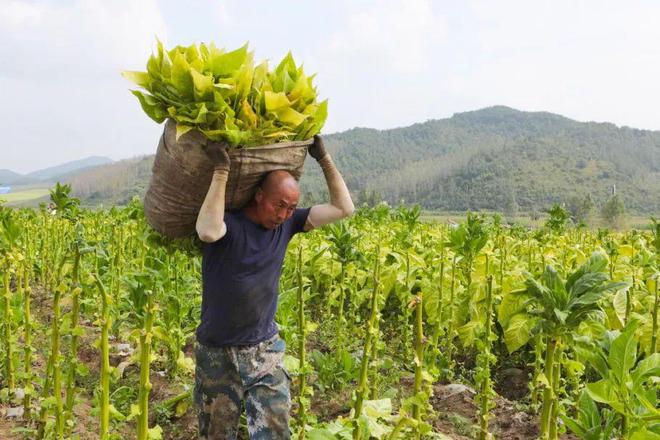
(299, 218)
(230, 223)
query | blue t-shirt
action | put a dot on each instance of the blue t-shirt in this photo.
(240, 276)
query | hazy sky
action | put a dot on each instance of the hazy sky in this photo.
(382, 64)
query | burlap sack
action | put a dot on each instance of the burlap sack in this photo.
(182, 174)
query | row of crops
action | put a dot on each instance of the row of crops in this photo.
(375, 311)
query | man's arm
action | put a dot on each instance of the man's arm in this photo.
(340, 205)
(210, 220)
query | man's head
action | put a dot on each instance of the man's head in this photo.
(275, 199)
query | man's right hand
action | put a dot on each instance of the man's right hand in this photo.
(217, 154)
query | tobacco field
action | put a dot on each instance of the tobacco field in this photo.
(395, 328)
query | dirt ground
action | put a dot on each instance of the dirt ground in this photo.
(455, 413)
(453, 404)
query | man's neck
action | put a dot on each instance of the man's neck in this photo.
(250, 212)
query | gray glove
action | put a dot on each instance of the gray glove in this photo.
(317, 149)
(217, 154)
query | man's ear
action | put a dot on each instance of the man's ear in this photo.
(259, 195)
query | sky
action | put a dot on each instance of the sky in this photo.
(381, 64)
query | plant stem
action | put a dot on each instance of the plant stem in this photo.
(654, 337)
(302, 404)
(75, 312)
(629, 300)
(105, 361)
(450, 319)
(548, 392)
(538, 356)
(438, 322)
(368, 341)
(485, 355)
(55, 355)
(145, 361)
(9, 346)
(419, 359)
(27, 336)
(556, 373)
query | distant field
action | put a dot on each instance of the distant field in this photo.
(22, 196)
(631, 220)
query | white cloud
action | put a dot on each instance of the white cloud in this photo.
(397, 35)
(586, 60)
(17, 14)
(374, 63)
(79, 38)
(63, 96)
(381, 64)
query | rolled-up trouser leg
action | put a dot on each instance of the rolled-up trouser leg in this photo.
(218, 393)
(267, 399)
(267, 406)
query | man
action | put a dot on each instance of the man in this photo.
(239, 353)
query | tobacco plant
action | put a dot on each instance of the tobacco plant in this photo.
(556, 307)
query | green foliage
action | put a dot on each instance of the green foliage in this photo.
(226, 97)
(556, 305)
(590, 423)
(613, 211)
(558, 218)
(623, 385)
(490, 158)
(65, 205)
(469, 237)
(10, 230)
(481, 160)
(656, 234)
(581, 208)
(434, 285)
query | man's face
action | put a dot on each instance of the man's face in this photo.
(277, 205)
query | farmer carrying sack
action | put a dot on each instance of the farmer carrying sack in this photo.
(182, 174)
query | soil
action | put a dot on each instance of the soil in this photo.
(457, 416)
(455, 412)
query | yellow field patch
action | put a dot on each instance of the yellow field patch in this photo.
(21, 196)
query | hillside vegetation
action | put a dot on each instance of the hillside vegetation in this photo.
(496, 158)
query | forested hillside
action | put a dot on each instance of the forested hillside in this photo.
(495, 158)
(498, 157)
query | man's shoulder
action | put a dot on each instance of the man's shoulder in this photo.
(298, 219)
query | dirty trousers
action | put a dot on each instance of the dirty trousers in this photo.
(226, 377)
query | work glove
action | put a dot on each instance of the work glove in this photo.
(317, 150)
(217, 154)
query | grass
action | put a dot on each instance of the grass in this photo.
(22, 196)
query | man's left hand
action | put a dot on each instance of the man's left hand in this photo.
(317, 149)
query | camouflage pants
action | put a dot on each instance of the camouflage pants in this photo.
(226, 377)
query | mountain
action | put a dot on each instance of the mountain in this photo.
(8, 177)
(51, 174)
(113, 184)
(495, 158)
(68, 167)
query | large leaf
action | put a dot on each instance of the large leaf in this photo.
(646, 368)
(320, 434)
(596, 358)
(512, 304)
(623, 353)
(151, 106)
(519, 331)
(603, 391)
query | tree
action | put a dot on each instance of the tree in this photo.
(558, 218)
(613, 211)
(510, 205)
(580, 208)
